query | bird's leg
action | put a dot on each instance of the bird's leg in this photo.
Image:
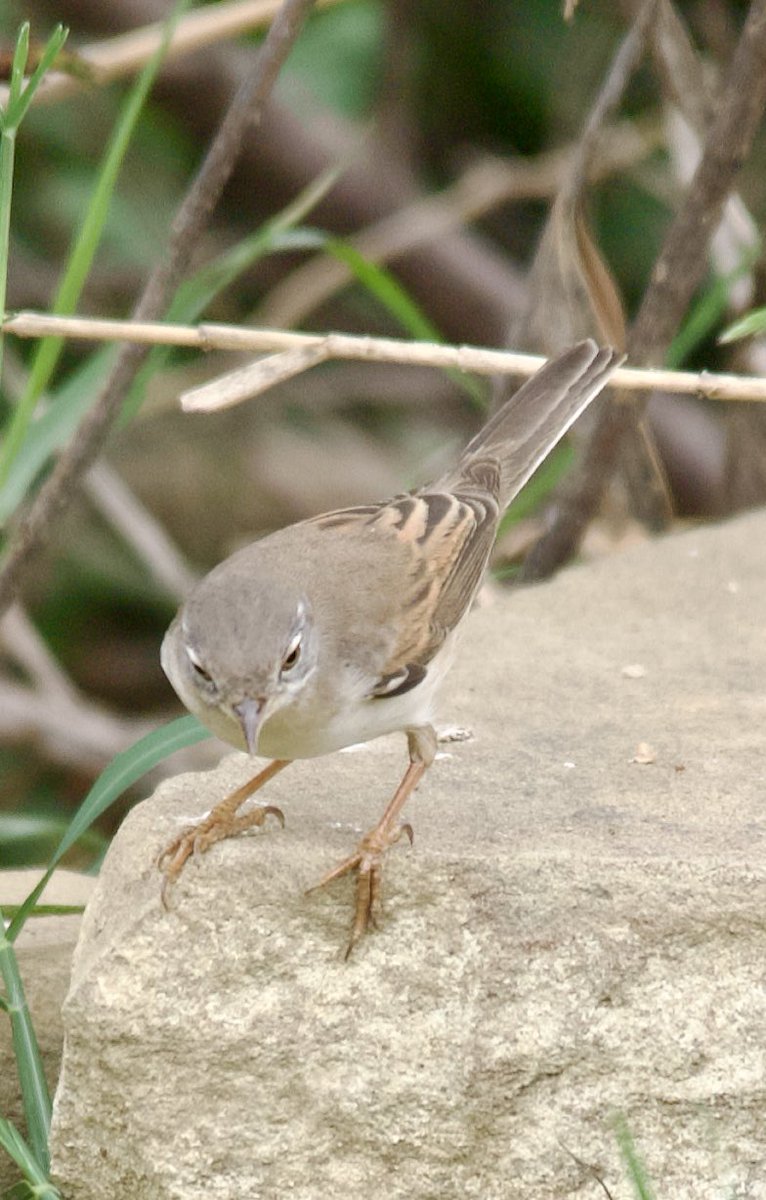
(367, 860)
(221, 822)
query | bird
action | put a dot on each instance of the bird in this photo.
(340, 628)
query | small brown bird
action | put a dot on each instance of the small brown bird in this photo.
(341, 628)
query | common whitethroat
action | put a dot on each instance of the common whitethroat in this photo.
(340, 629)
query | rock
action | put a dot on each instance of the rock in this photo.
(577, 932)
(44, 951)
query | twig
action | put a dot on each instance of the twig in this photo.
(120, 506)
(677, 272)
(621, 71)
(140, 530)
(74, 730)
(570, 292)
(209, 336)
(678, 67)
(50, 710)
(27, 649)
(685, 85)
(80, 735)
(246, 110)
(124, 55)
(483, 186)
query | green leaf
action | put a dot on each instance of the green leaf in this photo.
(708, 310)
(45, 910)
(124, 769)
(18, 106)
(51, 430)
(29, 838)
(754, 322)
(18, 67)
(14, 1145)
(196, 293)
(381, 284)
(34, 1087)
(86, 243)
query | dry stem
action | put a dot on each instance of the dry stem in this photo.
(126, 54)
(307, 348)
(677, 272)
(244, 112)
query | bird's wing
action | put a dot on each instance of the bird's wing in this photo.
(447, 537)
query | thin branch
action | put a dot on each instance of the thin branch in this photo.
(482, 187)
(82, 737)
(245, 111)
(27, 649)
(83, 734)
(609, 98)
(321, 347)
(678, 271)
(122, 508)
(158, 553)
(50, 709)
(126, 54)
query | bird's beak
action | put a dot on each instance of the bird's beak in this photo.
(250, 713)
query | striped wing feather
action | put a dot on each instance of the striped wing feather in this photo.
(449, 536)
(449, 528)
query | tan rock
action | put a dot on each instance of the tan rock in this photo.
(574, 934)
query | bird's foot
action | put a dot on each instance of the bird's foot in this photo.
(367, 861)
(223, 821)
(198, 838)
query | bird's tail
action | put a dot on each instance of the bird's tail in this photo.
(521, 434)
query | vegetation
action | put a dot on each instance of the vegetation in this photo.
(443, 173)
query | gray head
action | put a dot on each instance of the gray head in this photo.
(241, 648)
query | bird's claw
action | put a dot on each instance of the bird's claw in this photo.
(196, 839)
(367, 861)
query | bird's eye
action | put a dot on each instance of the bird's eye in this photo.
(292, 657)
(198, 668)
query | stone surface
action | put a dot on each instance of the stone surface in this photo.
(44, 950)
(574, 933)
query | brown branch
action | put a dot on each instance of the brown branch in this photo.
(327, 346)
(123, 55)
(679, 269)
(570, 293)
(483, 186)
(245, 110)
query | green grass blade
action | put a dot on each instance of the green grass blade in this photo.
(7, 155)
(18, 67)
(19, 100)
(29, 838)
(635, 1168)
(53, 428)
(124, 769)
(88, 238)
(196, 293)
(46, 910)
(34, 1087)
(708, 311)
(754, 322)
(381, 284)
(15, 1146)
(17, 109)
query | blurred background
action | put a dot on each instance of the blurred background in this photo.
(451, 127)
